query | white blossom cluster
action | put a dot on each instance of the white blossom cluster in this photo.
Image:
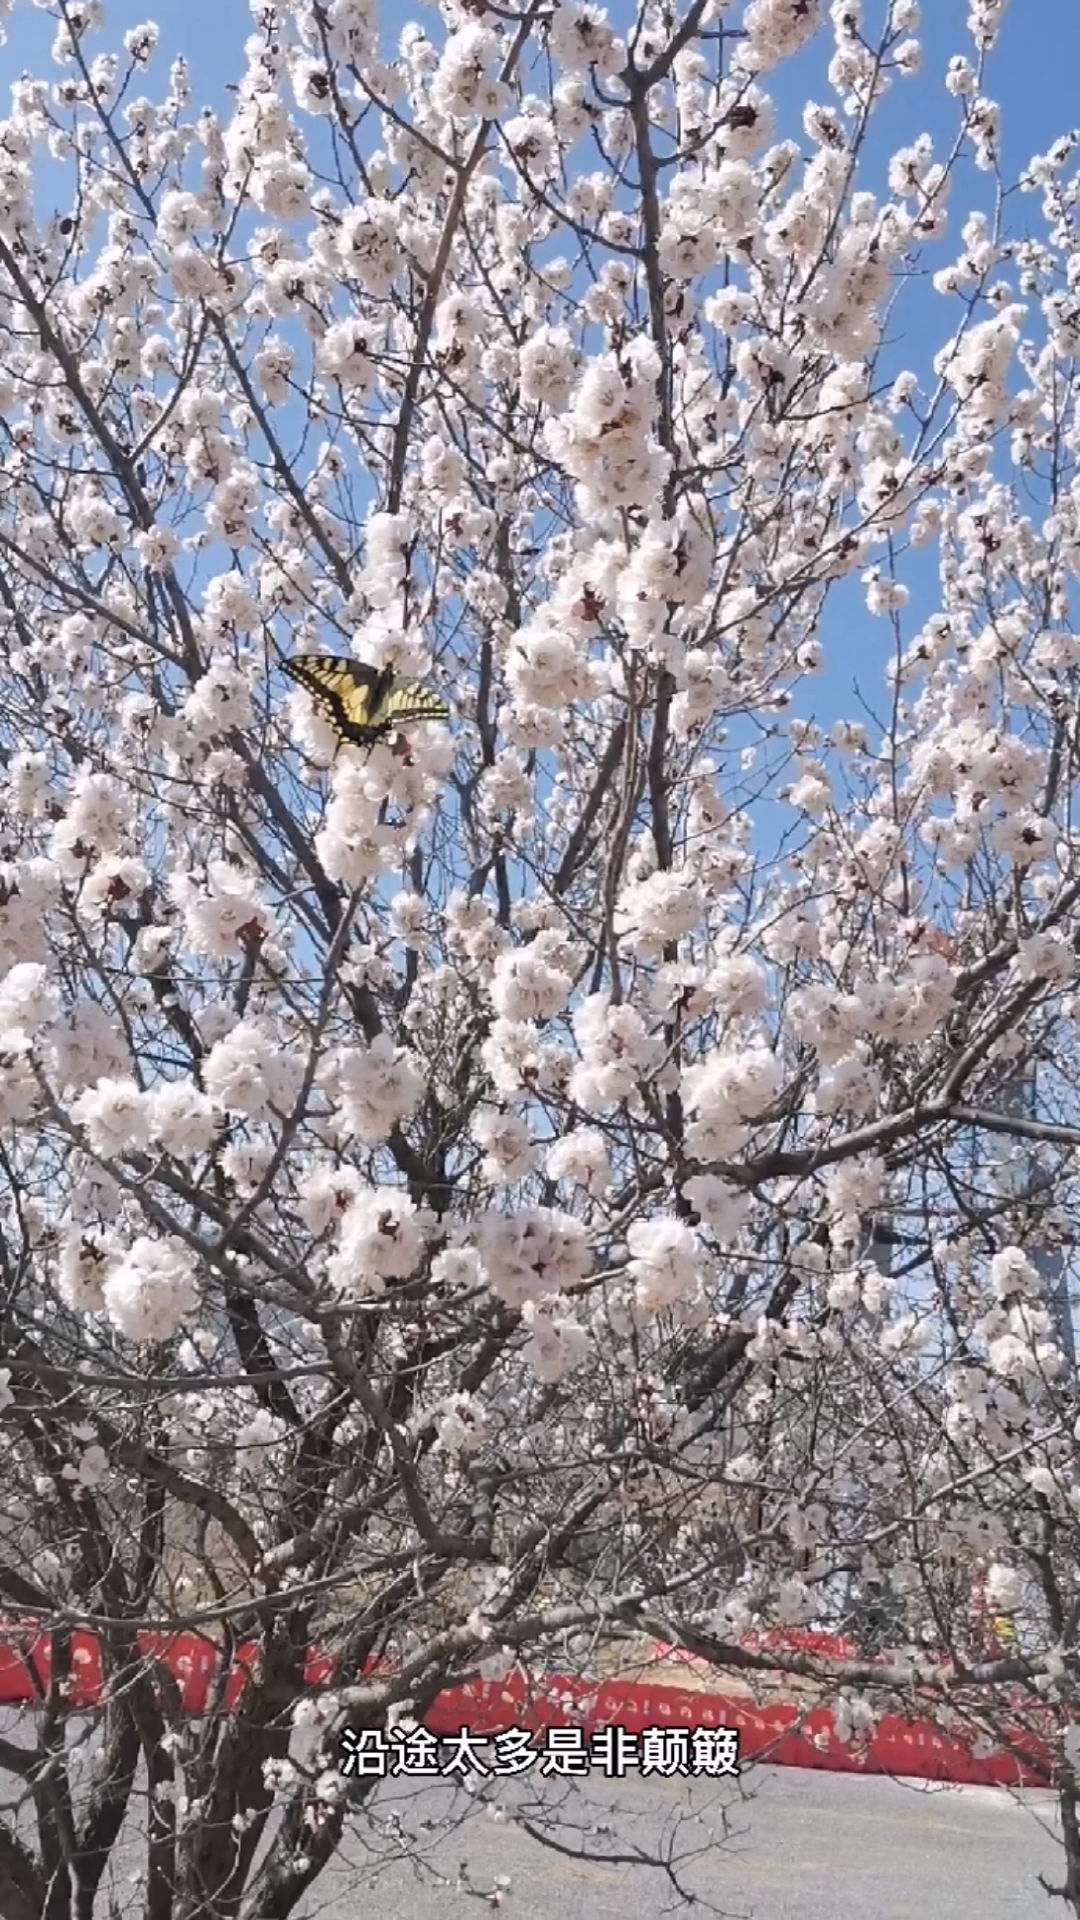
(507, 1118)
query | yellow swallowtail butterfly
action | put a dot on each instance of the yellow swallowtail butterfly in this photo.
(361, 704)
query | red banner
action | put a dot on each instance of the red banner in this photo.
(783, 1733)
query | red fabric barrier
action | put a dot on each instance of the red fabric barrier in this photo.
(917, 1748)
(190, 1658)
(827, 1646)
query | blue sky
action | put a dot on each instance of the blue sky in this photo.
(1032, 73)
(1033, 70)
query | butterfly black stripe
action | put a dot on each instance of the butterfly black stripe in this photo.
(360, 703)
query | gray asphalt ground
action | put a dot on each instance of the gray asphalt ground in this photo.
(799, 1846)
(777, 1844)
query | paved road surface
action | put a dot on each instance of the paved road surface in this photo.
(801, 1846)
(779, 1844)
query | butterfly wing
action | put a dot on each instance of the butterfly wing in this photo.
(360, 704)
(402, 704)
(343, 692)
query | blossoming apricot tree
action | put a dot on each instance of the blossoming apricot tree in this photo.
(446, 1190)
